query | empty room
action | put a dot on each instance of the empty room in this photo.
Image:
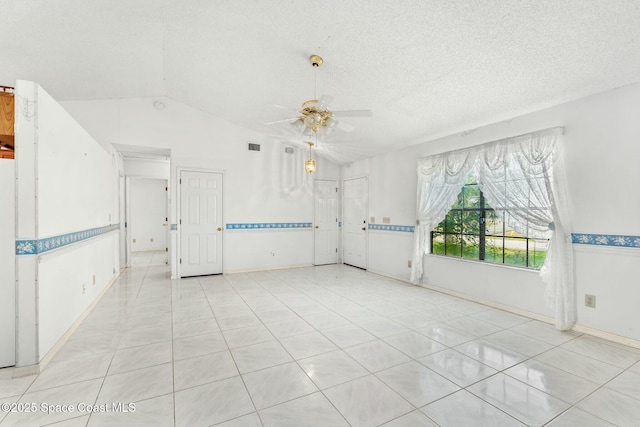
(349, 213)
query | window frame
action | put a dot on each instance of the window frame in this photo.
(482, 210)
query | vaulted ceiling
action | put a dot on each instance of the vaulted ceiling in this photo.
(425, 68)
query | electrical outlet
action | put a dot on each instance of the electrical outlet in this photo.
(409, 263)
(590, 301)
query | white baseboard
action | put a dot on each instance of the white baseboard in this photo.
(400, 279)
(253, 270)
(536, 316)
(25, 371)
(607, 336)
(22, 371)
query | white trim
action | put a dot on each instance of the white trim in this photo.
(535, 316)
(75, 245)
(530, 314)
(253, 270)
(599, 249)
(351, 178)
(399, 279)
(630, 342)
(606, 335)
(482, 262)
(179, 170)
(313, 223)
(22, 371)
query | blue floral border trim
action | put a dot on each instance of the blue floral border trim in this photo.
(268, 225)
(606, 240)
(35, 247)
(388, 227)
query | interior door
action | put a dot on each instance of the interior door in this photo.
(326, 222)
(200, 223)
(355, 208)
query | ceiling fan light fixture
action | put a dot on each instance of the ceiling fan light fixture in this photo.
(310, 120)
(330, 122)
(310, 164)
(315, 115)
(298, 124)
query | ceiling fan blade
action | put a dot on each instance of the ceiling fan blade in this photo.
(346, 127)
(282, 107)
(353, 113)
(290, 119)
(323, 102)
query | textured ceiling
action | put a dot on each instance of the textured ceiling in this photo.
(425, 68)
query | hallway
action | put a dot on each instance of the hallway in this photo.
(318, 346)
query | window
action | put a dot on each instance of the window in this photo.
(473, 230)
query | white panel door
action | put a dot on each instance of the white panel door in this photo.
(355, 208)
(7, 264)
(326, 222)
(200, 223)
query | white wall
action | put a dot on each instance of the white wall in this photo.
(158, 168)
(77, 190)
(259, 187)
(147, 226)
(7, 263)
(66, 284)
(603, 172)
(76, 178)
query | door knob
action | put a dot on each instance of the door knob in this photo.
(364, 228)
(219, 228)
(317, 226)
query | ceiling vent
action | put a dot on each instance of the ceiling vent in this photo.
(253, 146)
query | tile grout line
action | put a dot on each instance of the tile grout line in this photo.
(351, 290)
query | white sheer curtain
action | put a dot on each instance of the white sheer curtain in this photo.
(440, 179)
(520, 176)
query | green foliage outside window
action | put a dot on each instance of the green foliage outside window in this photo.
(473, 230)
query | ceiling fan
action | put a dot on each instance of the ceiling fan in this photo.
(315, 116)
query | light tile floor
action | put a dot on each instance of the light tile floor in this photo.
(319, 346)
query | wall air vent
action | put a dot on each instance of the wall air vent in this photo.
(253, 147)
(288, 150)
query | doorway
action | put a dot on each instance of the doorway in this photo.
(143, 163)
(355, 210)
(325, 235)
(200, 223)
(148, 220)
